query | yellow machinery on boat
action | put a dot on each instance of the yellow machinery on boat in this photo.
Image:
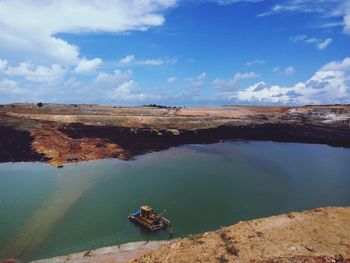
(146, 217)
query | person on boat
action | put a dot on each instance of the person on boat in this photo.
(170, 231)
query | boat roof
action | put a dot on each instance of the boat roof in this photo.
(146, 208)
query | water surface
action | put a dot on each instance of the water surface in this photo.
(46, 211)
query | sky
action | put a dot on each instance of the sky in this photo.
(175, 52)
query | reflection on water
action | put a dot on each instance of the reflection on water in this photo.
(47, 211)
(38, 226)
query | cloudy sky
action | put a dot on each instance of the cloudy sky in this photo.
(175, 52)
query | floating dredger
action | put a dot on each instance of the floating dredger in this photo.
(148, 218)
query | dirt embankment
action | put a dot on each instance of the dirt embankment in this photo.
(320, 235)
(316, 236)
(59, 148)
(70, 133)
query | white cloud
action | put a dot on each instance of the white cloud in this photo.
(260, 92)
(202, 76)
(24, 91)
(124, 92)
(231, 83)
(117, 86)
(190, 60)
(326, 25)
(157, 62)
(37, 73)
(291, 6)
(10, 91)
(131, 60)
(3, 64)
(151, 62)
(128, 59)
(333, 9)
(254, 62)
(325, 43)
(228, 2)
(299, 38)
(9, 87)
(30, 27)
(198, 82)
(171, 80)
(330, 84)
(106, 80)
(85, 65)
(318, 43)
(287, 71)
(347, 23)
(338, 66)
(323, 7)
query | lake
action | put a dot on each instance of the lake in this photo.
(45, 211)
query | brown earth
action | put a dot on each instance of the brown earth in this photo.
(316, 236)
(59, 148)
(320, 235)
(58, 133)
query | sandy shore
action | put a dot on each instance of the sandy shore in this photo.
(120, 254)
(319, 236)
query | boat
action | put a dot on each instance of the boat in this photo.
(149, 219)
(59, 165)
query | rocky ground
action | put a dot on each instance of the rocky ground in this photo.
(58, 134)
(320, 235)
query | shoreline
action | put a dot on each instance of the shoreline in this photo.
(117, 142)
(118, 253)
(317, 235)
(59, 134)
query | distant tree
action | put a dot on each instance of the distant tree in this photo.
(40, 104)
(160, 106)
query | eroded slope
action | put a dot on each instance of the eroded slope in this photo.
(320, 235)
(69, 133)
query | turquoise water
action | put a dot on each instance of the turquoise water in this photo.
(46, 211)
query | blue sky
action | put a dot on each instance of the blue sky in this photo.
(173, 52)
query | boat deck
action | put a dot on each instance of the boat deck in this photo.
(162, 223)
